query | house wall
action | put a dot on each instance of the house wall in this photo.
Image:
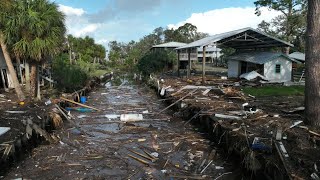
(233, 68)
(4, 69)
(285, 73)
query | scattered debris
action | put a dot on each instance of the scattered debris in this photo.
(83, 105)
(206, 167)
(131, 117)
(16, 112)
(138, 159)
(252, 75)
(223, 116)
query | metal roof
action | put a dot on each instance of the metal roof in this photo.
(258, 57)
(169, 45)
(298, 56)
(209, 49)
(246, 38)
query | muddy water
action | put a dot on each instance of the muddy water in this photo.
(104, 152)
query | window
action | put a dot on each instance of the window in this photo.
(278, 68)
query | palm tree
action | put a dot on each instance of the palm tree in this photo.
(6, 9)
(36, 32)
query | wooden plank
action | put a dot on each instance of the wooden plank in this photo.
(83, 105)
(178, 100)
(204, 65)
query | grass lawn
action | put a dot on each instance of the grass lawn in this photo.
(275, 91)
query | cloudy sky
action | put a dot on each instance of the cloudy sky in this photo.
(125, 20)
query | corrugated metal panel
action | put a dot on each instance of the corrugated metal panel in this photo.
(169, 45)
(215, 38)
(298, 55)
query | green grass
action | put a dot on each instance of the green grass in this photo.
(275, 91)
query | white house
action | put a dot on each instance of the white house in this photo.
(276, 67)
(5, 78)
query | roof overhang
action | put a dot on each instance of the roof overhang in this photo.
(247, 38)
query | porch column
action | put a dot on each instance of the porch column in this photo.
(178, 63)
(203, 64)
(189, 64)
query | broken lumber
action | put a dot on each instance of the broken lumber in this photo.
(190, 93)
(142, 155)
(223, 116)
(83, 105)
(196, 115)
(138, 159)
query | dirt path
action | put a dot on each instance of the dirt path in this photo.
(105, 155)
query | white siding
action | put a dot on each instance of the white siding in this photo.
(233, 68)
(285, 73)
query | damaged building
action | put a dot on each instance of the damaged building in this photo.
(254, 50)
(275, 67)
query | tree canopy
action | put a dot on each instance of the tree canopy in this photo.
(85, 49)
(132, 52)
(290, 25)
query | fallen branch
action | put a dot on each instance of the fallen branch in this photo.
(83, 105)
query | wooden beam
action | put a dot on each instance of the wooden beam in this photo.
(203, 64)
(189, 64)
(178, 63)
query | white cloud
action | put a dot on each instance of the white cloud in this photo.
(86, 30)
(227, 19)
(70, 11)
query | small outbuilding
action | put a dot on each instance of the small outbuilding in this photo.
(274, 66)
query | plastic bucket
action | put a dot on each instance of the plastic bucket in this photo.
(83, 99)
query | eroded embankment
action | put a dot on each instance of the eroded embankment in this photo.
(31, 125)
(247, 142)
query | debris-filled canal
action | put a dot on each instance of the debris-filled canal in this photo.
(107, 146)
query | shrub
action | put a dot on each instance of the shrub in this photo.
(156, 61)
(68, 77)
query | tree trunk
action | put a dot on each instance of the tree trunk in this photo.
(27, 74)
(33, 79)
(12, 72)
(312, 91)
(20, 71)
(38, 93)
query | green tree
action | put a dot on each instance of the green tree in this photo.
(290, 25)
(7, 9)
(155, 61)
(36, 32)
